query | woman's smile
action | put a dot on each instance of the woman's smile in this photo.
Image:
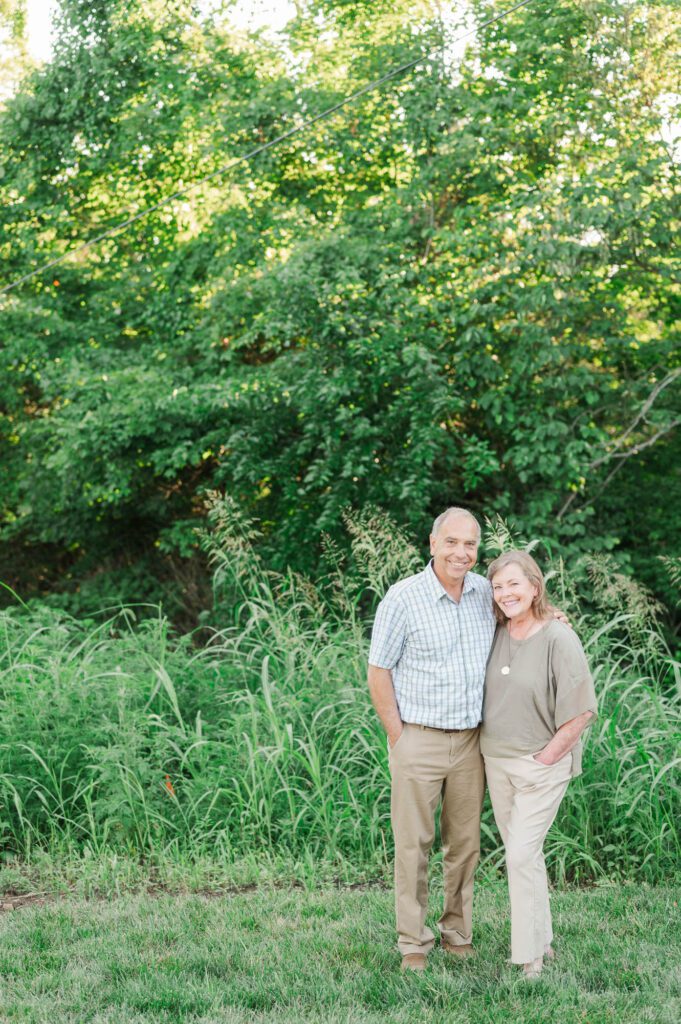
(513, 592)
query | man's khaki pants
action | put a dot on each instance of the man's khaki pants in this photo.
(525, 797)
(426, 766)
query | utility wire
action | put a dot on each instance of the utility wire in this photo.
(370, 87)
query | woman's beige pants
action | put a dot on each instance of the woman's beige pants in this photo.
(525, 797)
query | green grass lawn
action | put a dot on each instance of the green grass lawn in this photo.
(298, 955)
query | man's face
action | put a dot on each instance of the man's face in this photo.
(454, 548)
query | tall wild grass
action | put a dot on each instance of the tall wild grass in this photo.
(256, 736)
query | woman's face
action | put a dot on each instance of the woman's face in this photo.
(513, 592)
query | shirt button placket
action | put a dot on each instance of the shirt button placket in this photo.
(460, 703)
(453, 709)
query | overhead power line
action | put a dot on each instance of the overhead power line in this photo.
(370, 87)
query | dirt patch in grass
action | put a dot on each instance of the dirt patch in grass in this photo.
(10, 901)
(15, 900)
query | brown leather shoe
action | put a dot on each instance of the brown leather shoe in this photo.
(414, 962)
(463, 951)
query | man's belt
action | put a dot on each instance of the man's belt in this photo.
(447, 731)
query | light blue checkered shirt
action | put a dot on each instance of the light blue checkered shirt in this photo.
(436, 649)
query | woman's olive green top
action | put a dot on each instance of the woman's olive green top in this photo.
(547, 682)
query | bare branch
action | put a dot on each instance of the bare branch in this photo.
(645, 408)
(566, 505)
(645, 444)
(622, 456)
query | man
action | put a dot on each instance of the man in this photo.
(429, 647)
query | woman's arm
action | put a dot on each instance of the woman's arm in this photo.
(564, 740)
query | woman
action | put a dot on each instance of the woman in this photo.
(539, 697)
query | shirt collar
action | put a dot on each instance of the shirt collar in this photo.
(436, 589)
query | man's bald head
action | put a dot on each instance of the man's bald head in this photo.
(437, 523)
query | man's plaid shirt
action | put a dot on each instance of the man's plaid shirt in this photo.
(436, 649)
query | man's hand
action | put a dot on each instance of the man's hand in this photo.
(383, 698)
(560, 615)
(393, 736)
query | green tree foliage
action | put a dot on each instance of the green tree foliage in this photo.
(459, 289)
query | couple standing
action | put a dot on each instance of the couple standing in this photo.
(440, 639)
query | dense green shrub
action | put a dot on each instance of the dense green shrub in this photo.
(461, 288)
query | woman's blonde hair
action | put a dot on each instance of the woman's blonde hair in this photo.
(530, 569)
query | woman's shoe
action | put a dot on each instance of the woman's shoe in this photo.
(533, 969)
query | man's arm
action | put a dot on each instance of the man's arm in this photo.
(383, 698)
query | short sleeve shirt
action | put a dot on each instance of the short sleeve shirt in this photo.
(436, 648)
(547, 685)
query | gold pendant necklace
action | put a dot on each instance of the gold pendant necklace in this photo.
(505, 669)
